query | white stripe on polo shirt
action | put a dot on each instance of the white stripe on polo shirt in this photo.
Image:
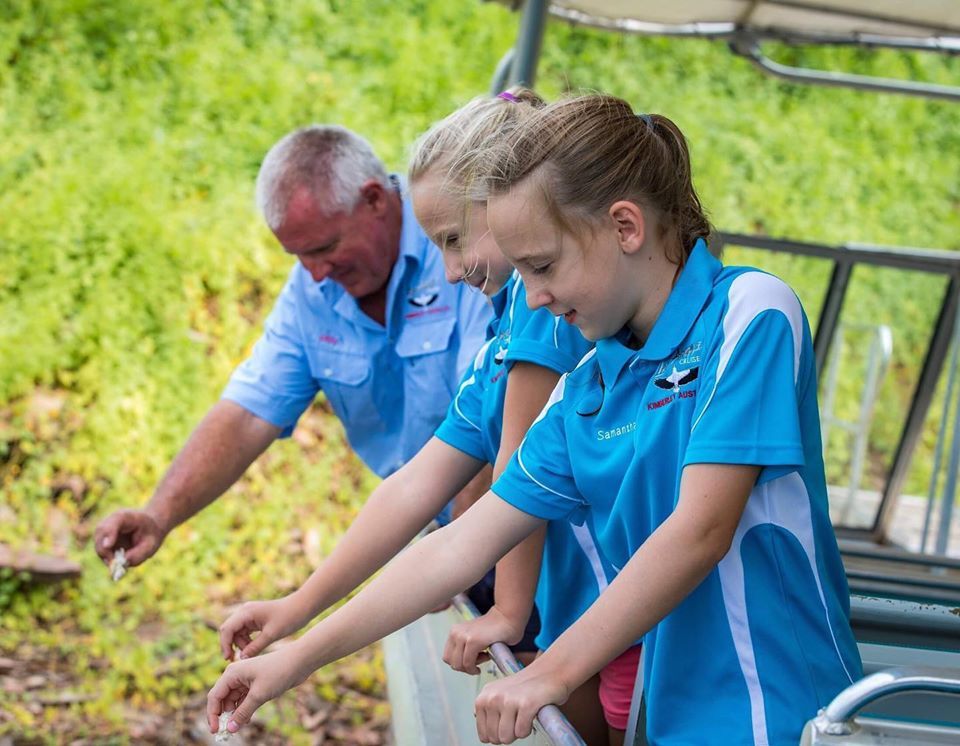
(749, 295)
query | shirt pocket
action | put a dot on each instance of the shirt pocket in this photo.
(344, 378)
(429, 360)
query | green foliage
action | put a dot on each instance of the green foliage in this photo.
(134, 272)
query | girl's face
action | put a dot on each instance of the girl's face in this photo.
(588, 279)
(469, 252)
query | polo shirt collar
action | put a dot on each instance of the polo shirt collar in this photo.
(683, 305)
(501, 299)
(613, 355)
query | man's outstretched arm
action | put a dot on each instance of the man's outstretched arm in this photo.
(227, 440)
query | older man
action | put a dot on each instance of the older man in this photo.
(366, 316)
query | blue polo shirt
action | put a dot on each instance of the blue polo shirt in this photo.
(389, 385)
(726, 376)
(572, 572)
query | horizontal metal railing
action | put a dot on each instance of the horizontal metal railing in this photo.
(836, 718)
(550, 721)
(845, 258)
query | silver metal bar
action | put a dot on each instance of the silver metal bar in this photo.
(899, 257)
(550, 720)
(502, 74)
(941, 437)
(949, 488)
(922, 395)
(835, 718)
(728, 30)
(830, 311)
(747, 46)
(523, 70)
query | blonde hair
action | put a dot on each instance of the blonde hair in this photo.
(457, 142)
(587, 152)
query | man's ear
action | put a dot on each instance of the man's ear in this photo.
(630, 223)
(374, 195)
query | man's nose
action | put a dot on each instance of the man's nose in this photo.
(318, 268)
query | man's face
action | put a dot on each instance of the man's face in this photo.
(355, 249)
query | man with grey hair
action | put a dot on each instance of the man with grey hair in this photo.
(365, 316)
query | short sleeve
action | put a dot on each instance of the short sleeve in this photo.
(747, 401)
(275, 382)
(462, 427)
(473, 317)
(539, 478)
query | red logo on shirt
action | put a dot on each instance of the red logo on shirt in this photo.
(426, 312)
(660, 403)
(328, 339)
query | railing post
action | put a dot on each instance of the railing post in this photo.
(830, 311)
(922, 396)
(523, 70)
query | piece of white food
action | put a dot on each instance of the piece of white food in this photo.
(223, 735)
(118, 565)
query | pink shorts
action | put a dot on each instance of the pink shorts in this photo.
(617, 680)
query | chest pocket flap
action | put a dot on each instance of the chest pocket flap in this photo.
(337, 367)
(426, 338)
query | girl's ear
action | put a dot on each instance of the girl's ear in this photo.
(630, 223)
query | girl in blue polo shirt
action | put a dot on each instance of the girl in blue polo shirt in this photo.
(688, 441)
(498, 398)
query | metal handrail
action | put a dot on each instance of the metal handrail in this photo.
(844, 259)
(550, 721)
(835, 718)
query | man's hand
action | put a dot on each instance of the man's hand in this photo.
(246, 685)
(468, 640)
(136, 531)
(270, 620)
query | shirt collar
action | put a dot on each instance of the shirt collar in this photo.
(683, 305)
(613, 355)
(501, 299)
(681, 310)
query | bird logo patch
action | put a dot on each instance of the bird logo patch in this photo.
(676, 379)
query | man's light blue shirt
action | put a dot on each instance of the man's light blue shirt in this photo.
(727, 376)
(389, 385)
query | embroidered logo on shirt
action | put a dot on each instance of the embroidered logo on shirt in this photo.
(424, 295)
(329, 339)
(616, 432)
(677, 378)
(503, 343)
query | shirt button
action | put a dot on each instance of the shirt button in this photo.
(328, 371)
(427, 346)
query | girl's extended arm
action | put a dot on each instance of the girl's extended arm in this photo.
(528, 388)
(431, 571)
(662, 572)
(399, 507)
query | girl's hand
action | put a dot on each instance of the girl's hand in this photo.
(506, 709)
(271, 620)
(245, 685)
(468, 640)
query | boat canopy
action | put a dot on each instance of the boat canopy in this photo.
(926, 25)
